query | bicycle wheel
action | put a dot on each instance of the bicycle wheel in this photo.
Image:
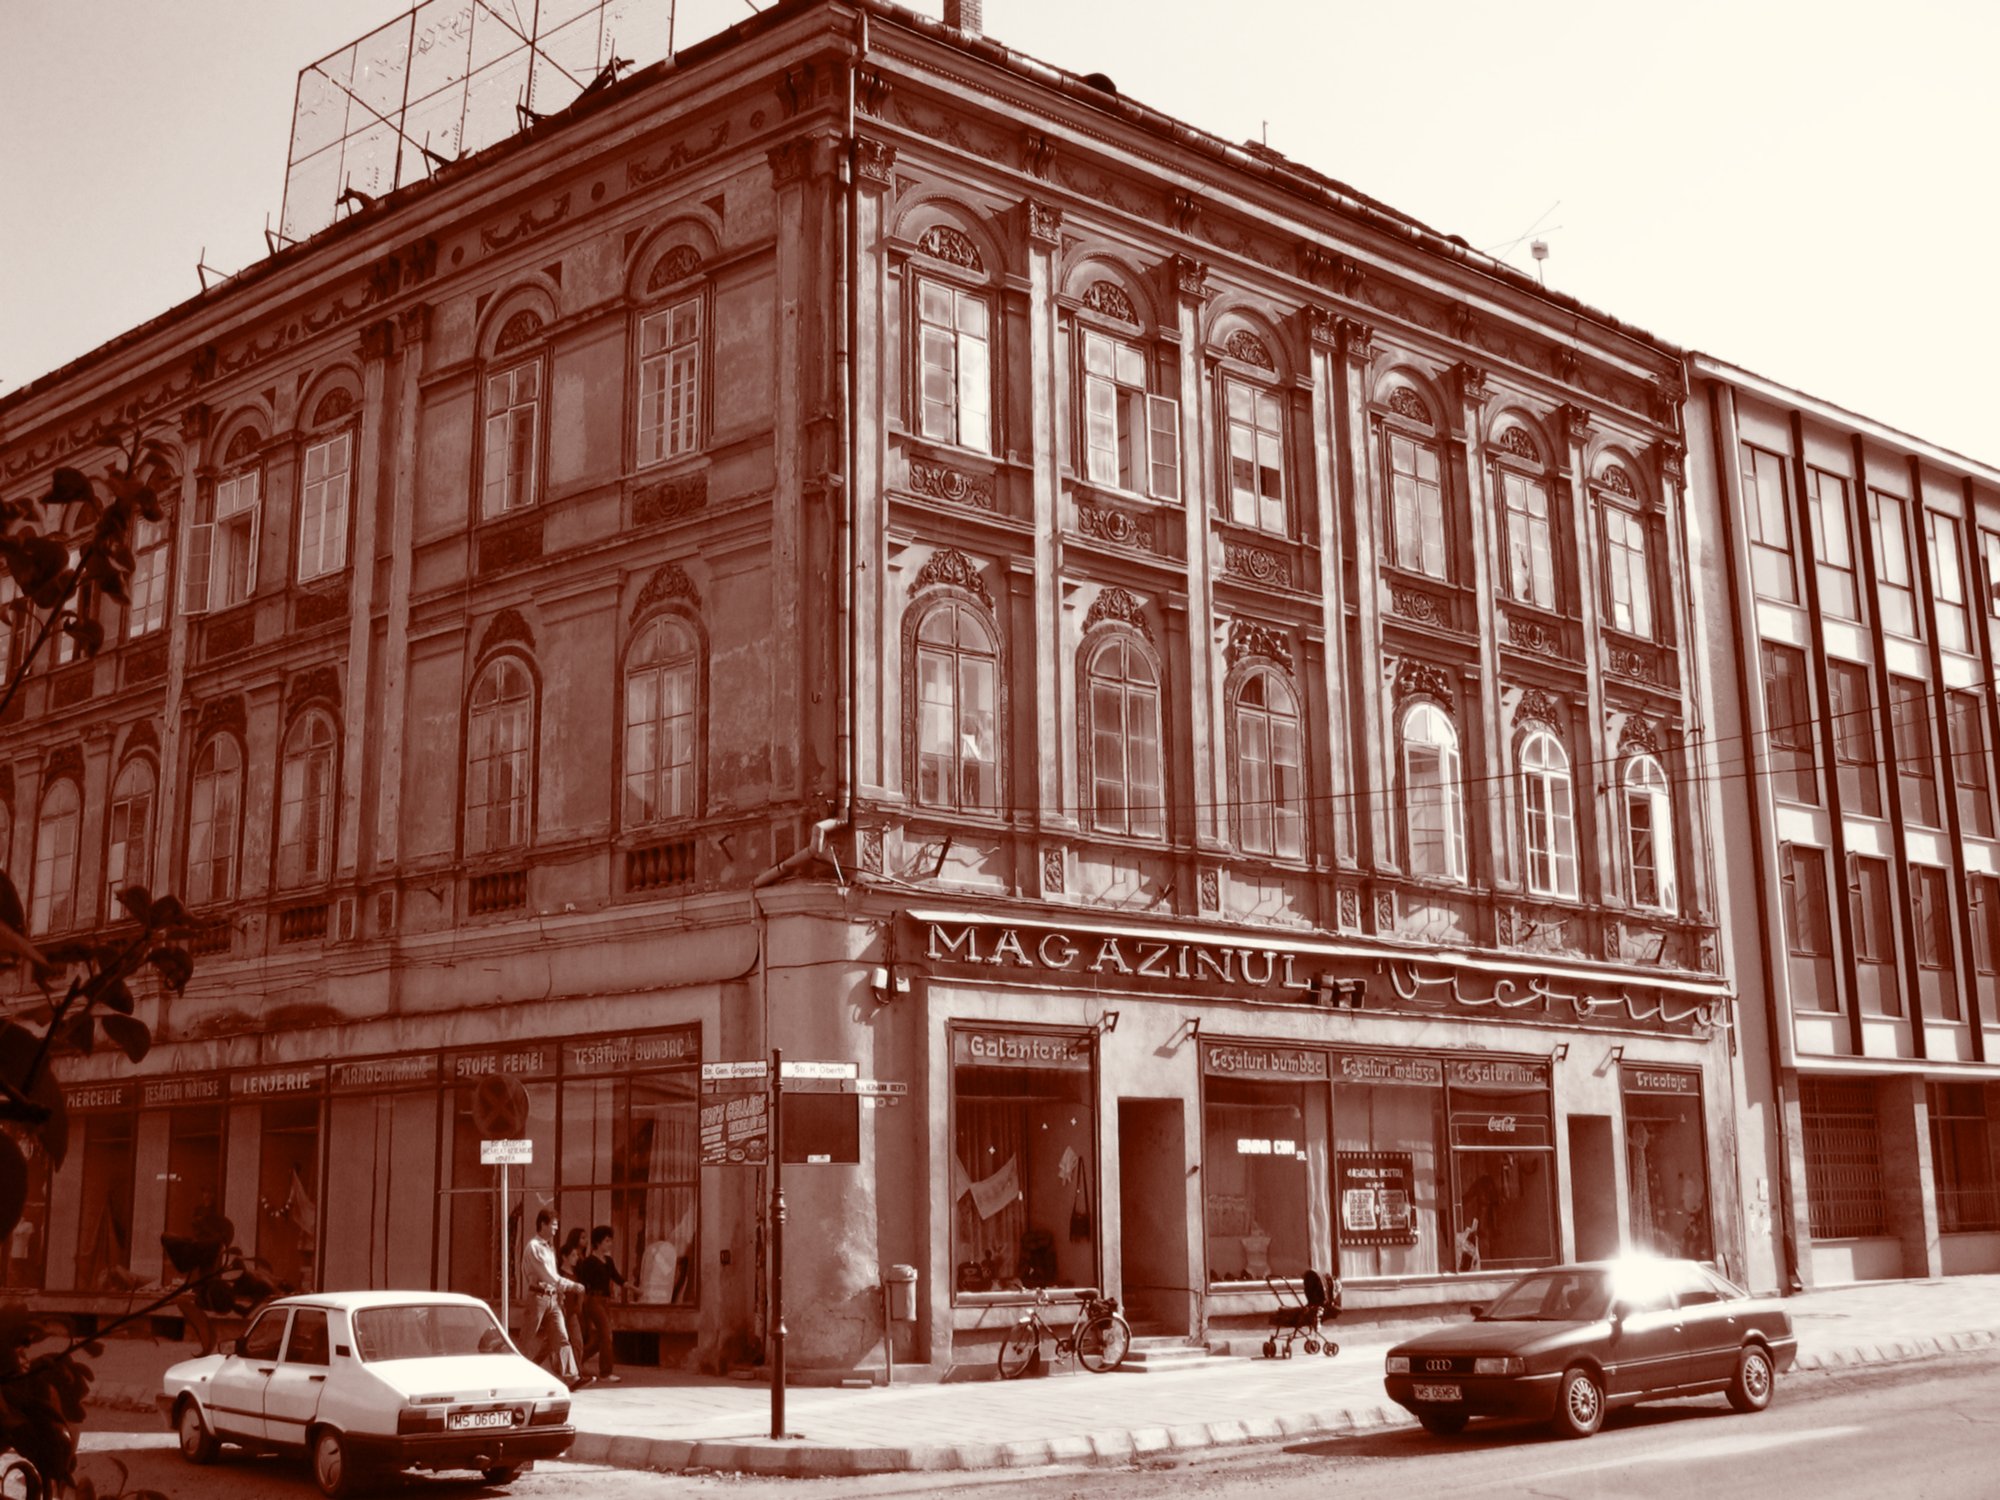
(1019, 1351)
(1102, 1342)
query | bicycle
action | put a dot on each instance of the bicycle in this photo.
(1098, 1339)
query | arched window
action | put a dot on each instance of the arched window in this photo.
(128, 848)
(958, 756)
(1270, 768)
(670, 348)
(662, 676)
(1649, 834)
(305, 804)
(1255, 419)
(1123, 697)
(1551, 823)
(1527, 521)
(54, 908)
(1433, 794)
(215, 800)
(499, 757)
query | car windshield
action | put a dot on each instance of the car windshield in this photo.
(1553, 1297)
(425, 1330)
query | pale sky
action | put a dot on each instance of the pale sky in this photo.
(1808, 189)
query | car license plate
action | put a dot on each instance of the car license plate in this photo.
(460, 1420)
(1437, 1393)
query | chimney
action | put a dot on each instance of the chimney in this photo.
(963, 15)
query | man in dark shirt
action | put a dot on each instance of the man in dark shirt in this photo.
(600, 1276)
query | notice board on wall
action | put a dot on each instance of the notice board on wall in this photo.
(1377, 1197)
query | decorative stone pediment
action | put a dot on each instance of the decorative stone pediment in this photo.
(1517, 441)
(953, 246)
(1405, 402)
(518, 330)
(1117, 605)
(1111, 299)
(669, 581)
(508, 625)
(950, 567)
(1424, 679)
(1539, 707)
(1250, 349)
(1247, 638)
(677, 265)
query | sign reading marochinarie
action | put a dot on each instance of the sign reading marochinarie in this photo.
(1125, 956)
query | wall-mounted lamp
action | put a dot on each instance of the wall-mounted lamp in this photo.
(1562, 1051)
(1618, 1053)
(1192, 1026)
(887, 983)
(1108, 1021)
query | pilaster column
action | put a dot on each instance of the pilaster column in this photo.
(1323, 346)
(377, 343)
(1370, 831)
(196, 426)
(1055, 750)
(1495, 762)
(1595, 749)
(1187, 292)
(878, 619)
(412, 323)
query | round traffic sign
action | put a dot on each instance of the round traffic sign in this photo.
(500, 1108)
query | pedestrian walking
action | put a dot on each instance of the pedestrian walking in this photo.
(548, 1286)
(603, 1283)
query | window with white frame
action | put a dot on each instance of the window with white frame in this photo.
(1547, 806)
(1122, 705)
(1649, 835)
(955, 355)
(1433, 795)
(215, 803)
(1270, 767)
(1630, 596)
(82, 605)
(323, 507)
(662, 678)
(1833, 550)
(1256, 455)
(13, 623)
(1948, 581)
(1131, 437)
(306, 803)
(1895, 585)
(1767, 497)
(128, 845)
(53, 908)
(670, 381)
(513, 428)
(1416, 516)
(146, 589)
(1530, 539)
(957, 669)
(221, 567)
(499, 757)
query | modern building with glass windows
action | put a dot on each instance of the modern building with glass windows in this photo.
(867, 544)
(1855, 578)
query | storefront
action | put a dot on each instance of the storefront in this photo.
(1666, 1161)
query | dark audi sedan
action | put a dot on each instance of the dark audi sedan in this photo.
(1572, 1342)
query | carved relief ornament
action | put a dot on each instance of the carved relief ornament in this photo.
(950, 566)
(1115, 604)
(669, 581)
(1250, 349)
(1111, 299)
(1539, 707)
(1247, 638)
(508, 625)
(1423, 679)
(952, 246)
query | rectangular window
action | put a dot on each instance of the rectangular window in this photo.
(1984, 894)
(1895, 590)
(1868, 901)
(1808, 928)
(956, 363)
(1502, 1166)
(104, 1199)
(1256, 457)
(1416, 486)
(1910, 719)
(146, 589)
(1631, 595)
(1854, 752)
(1131, 439)
(1845, 1197)
(63, 644)
(670, 381)
(1266, 1169)
(513, 405)
(1948, 582)
(1025, 1205)
(287, 1230)
(194, 1176)
(222, 549)
(323, 508)
(1965, 718)
(1833, 547)
(1667, 1166)
(1989, 545)
(1393, 1187)
(1965, 1132)
(1788, 725)
(1931, 911)
(1767, 500)
(1531, 575)
(468, 1221)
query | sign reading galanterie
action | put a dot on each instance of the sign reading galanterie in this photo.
(1020, 1049)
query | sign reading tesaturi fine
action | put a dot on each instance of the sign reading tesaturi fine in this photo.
(1120, 956)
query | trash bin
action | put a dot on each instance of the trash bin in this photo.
(902, 1284)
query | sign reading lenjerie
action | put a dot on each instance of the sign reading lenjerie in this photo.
(618, 1054)
(90, 1098)
(160, 1092)
(1126, 957)
(1234, 1060)
(412, 1070)
(1019, 1049)
(1376, 1197)
(1643, 1080)
(538, 1061)
(1508, 1130)
(269, 1083)
(1376, 1067)
(735, 1130)
(1496, 1072)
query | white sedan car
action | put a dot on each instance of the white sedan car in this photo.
(370, 1383)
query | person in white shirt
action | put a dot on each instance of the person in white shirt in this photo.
(548, 1286)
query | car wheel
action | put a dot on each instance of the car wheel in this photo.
(198, 1444)
(1754, 1381)
(1442, 1423)
(333, 1469)
(1579, 1404)
(503, 1476)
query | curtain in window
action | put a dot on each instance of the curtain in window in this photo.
(127, 859)
(305, 804)
(1551, 825)
(1124, 717)
(1270, 778)
(661, 677)
(957, 739)
(1433, 794)
(214, 805)
(1649, 834)
(499, 757)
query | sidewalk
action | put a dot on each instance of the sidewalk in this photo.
(669, 1421)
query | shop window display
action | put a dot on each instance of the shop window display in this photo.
(1666, 1166)
(1024, 1178)
(1265, 1163)
(630, 1159)
(468, 1236)
(194, 1177)
(104, 1218)
(1388, 1119)
(1502, 1166)
(288, 1191)
(381, 1171)
(26, 1261)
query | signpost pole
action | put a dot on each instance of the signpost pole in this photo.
(777, 1244)
(505, 1326)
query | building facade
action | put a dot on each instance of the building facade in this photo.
(864, 544)
(1856, 571)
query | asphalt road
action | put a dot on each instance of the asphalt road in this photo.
(1922, 1431)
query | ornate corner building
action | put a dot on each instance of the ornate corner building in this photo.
(866, 544)
(1855, 578)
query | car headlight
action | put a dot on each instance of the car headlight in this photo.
(1398, 1364)
(1497, 1364)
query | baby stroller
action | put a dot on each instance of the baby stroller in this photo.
(1294, 1321)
